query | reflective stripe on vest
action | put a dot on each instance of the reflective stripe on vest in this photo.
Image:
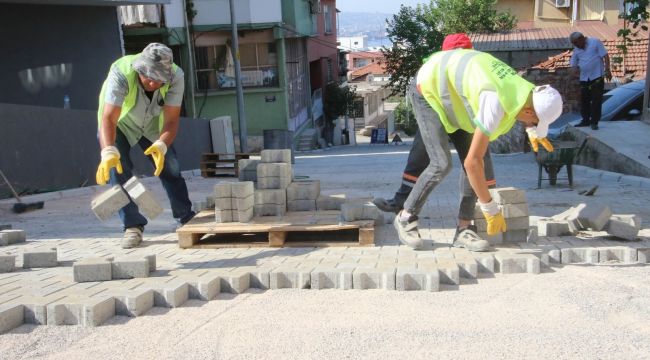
(123, 64)
(445, 95)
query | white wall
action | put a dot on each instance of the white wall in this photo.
(348, 42)
(216, 12)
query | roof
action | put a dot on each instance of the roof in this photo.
(635, 61)
(366, 54)
(88, 2)
(543, 38)
(372, 68)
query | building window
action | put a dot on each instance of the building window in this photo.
(327, 13)
(329, 70)
(215, 68)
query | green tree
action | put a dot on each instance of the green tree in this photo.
(337, 101)
(634, 14)
(404, 118)
(418, 32)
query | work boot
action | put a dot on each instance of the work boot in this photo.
(387, 205)
(132, 237)
(468, 238)
(407, 231)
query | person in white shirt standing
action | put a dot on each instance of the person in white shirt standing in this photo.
(590, 58)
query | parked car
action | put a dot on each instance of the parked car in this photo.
(621, 103)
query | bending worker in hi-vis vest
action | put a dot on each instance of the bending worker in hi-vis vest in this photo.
(481, 97)
(140, 103)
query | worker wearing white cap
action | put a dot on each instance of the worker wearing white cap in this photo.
(475, 92)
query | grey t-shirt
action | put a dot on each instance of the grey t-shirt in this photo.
(142, 120)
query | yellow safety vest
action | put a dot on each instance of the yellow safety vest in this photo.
(451, 82)
(123, 64)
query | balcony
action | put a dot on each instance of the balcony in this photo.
(217, 12)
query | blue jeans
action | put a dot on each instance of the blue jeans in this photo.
(170, 177)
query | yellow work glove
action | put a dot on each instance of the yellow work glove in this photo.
(110, 159)
(535, 141)
(495, 221)
(157, 150)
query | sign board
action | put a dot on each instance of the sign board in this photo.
(379, 136)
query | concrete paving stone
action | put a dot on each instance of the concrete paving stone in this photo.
(168, 294)
(571, 212)
(92, 269)
(594, 217)
(374, 278)
(485, 263)
(248, 169)
(224, 204)
(223, 216)
(204, 287)
(151, 260)
(147, 203)
(260, 278)
(276, 156)
(36, 307)
(290, 278)
(248, 175)
(621, 254)
(273, 182)
(270, 196)
(351, 211)
(269, 210)
(243, 216)
(467, 267)
(643, 256)
(303, 190)
(508, 195)
(198, 206)
(223, 190)
(243, 204)
(511, 224)
(242, 189)
(235, 282)
(371, 212)
(5, 226)
(81, 311)
(40, 258)
(274, 170)
(492, 239)
(301, 205)
(515, 236)
(323, 277)
(209, 202)
(134, 302)
(11, 316)
(515, 210)
(330, 202)
(550, 227)
(580, 255)
(7, 263)
(416, 279)
(109, 202)
(533, 234)
(624, 226)
(510, 263)
(130, 267)
(449, 271)
(12, 236)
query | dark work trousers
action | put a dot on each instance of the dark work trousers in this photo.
(421, 175)
(170, 177)
(591, 96)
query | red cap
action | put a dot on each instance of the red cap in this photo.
(456, 41)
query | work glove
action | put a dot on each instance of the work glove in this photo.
(495, 221)
(110, 159)
(157, 150)
(535, 140)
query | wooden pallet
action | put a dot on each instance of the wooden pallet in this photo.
(216, 165)
(295, 229)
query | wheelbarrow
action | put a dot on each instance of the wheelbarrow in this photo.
(564, 154)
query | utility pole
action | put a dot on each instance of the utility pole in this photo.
(240, 91)
(645, 115)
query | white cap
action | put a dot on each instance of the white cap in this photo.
(548, 106)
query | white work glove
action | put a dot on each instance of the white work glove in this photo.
(157, 150)
(496, 223)
(110, 159)
(535, 140)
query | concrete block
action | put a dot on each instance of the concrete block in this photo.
(248, 175)
(12, 236)
(492, 239)
(242, 204)
(485, 263)
(580, 255)
(416, 279)
(643, 256)
(467, 267)
(223, 216)
(172, 294)
(515, 236)
(151, 260)
(209, 202)
(134, 302)
(7, 263)
(624, 226)
(223, 190)
(520, 223)
(276, 156)
(594, 217)
(260, 278)
(223, 204)
(514, 210)
(92, 269)
(290, 278)
(330, 202)
(109, 202)
(370, 212)
(199, 206)
(331, 278)
(303, 190)
(270, 196)
(569, 213)
(248, 169)
(301, 205)
(550, 227)
(270, 210)
(129, 268)
(242, 189)
(11, 316)
(448, 271)
(40, 258)
(621, 254)
(81, 311)
(235, 283)
(351, 212)
(271, 182)
(533, 234)
(374, 278)
(243, 216)
(147, 203)
(204, 287)
(5, 226)
(510, 263)
(508, 195)
(274, 170)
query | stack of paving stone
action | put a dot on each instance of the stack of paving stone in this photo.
(361, 209)
(274, 175)
(105, 269)
(233, 201)
(12, 236)
(590, 217)
(302, 195)
(112, 200)
(515, 210)
(36, 258)
(248, 170)
(330, 202)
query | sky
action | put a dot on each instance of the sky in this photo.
(380, 6)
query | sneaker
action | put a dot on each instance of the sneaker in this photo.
(407, 231)
(387, 205)
(132, 237)
(582, 124)
(469, 239)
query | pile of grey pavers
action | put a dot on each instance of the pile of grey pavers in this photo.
(112, 200)
(108, 268)
(233, 201)
(590, 217)
(514, 206)
(39, 257)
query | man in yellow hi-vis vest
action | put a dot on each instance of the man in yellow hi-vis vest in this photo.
(140, 103)
(481, 97)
